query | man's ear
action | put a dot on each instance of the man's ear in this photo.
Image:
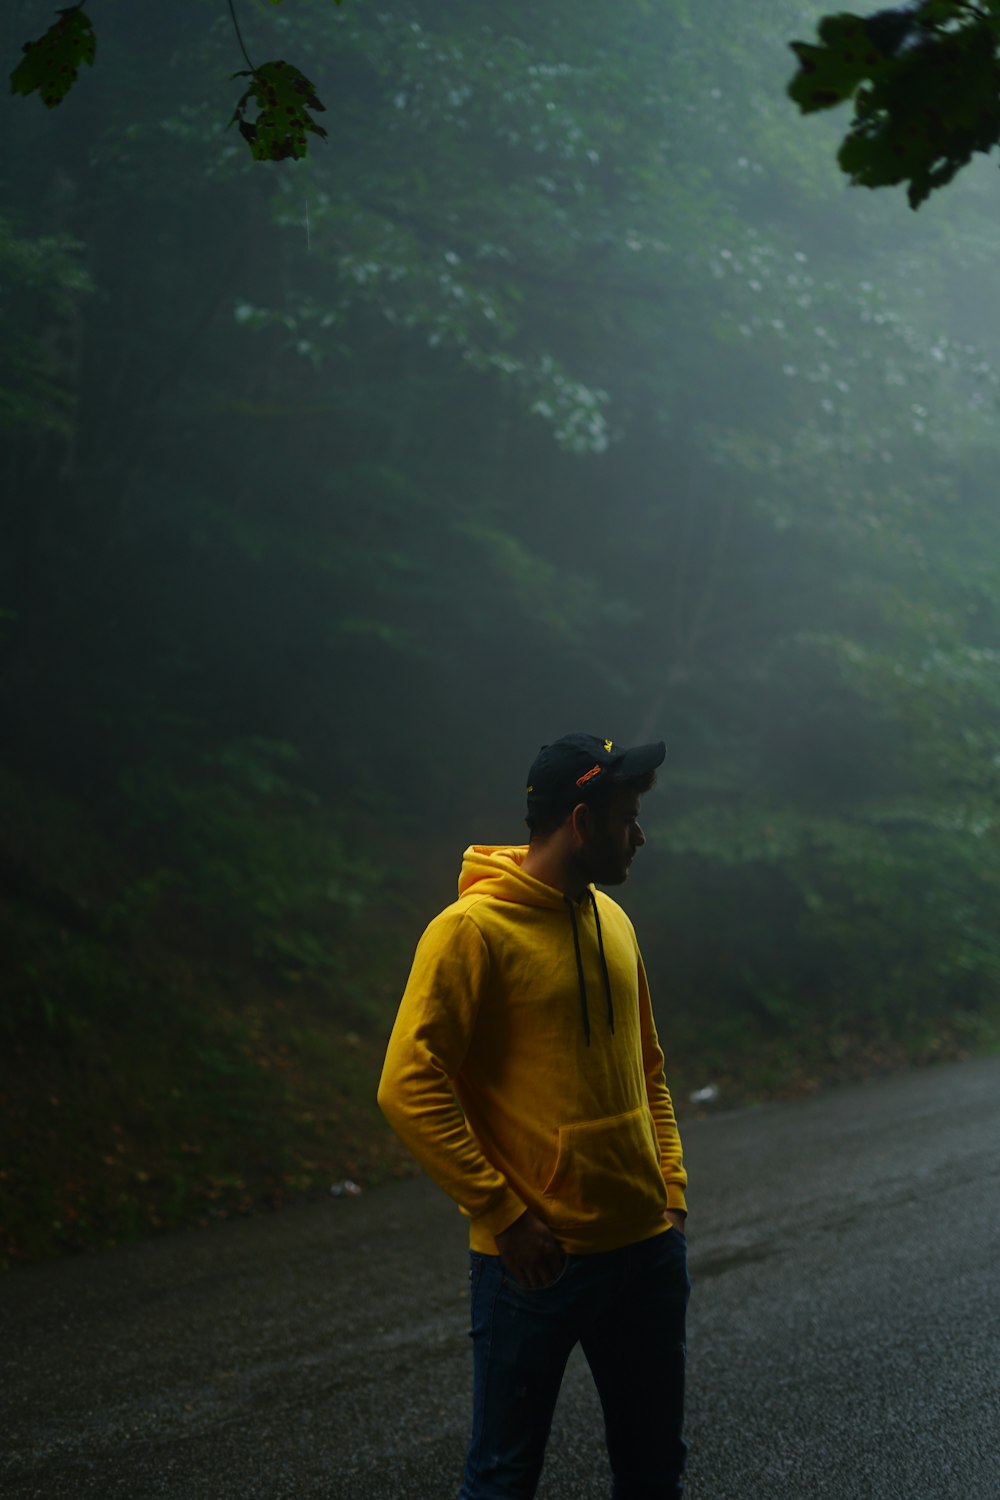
(580, 824)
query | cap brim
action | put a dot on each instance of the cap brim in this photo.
(641, 759)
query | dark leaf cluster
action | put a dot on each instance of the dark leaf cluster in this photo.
(925, 82)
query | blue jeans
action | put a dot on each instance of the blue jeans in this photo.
(626, 1308)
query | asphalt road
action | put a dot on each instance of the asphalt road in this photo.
(844, 1337)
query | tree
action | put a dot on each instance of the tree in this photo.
(925, 83)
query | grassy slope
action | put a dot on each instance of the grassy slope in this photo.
(200, 1111)
(152, 1072)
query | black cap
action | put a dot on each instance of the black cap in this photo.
(569, 770)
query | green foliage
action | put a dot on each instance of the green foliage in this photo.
(283, 97)
(864, 914)
(42, 289)
(253, 857)
(926, 87)
(154, 1069)
(51, 64)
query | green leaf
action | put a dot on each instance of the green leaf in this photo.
(51, 64)
(283, 97)
(831, 72)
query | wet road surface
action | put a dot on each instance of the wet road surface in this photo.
(844, 1338)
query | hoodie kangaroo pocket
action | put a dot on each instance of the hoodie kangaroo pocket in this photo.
(607, 1169)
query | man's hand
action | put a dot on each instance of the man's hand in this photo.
(677, 1217)
(530, 1252)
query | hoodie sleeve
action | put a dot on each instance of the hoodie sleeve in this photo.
(428, 1045)
(660, 1104)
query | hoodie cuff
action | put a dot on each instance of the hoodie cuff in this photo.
(501, 1214)
(676, 1198)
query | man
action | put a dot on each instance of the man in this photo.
(524, 1074)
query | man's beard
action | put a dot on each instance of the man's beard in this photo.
(601, 864)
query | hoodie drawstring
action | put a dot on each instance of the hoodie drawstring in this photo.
(579, 969)
(604, 966)
(570, 907)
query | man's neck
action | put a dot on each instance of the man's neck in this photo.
(556, 867)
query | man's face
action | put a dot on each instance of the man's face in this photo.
(614, 838)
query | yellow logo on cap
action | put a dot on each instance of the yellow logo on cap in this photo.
(607, 746)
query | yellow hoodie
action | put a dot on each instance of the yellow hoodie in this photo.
(523, 1070)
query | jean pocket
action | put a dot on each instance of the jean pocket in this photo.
(476, 1265)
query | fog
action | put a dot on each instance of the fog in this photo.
(566, 385)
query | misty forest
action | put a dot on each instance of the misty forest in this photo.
(567, 384)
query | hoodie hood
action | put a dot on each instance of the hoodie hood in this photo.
(496, 870)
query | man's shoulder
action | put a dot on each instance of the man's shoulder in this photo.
(474, 917)
(465, 912)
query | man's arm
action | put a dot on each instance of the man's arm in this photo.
(662, 1108)
(426, 1050)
